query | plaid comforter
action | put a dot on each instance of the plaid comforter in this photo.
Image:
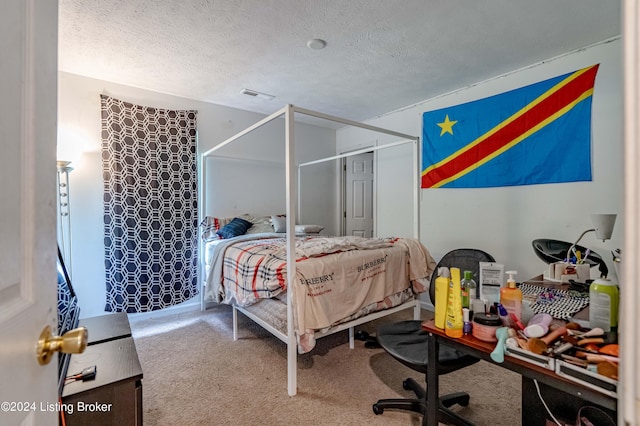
(254, 270)
(335, 277)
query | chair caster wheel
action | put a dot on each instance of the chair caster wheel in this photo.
(464, 401)
(377, 410)
(361, 335)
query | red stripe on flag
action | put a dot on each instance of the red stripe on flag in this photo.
(540, 112)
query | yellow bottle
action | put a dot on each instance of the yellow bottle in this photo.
(442, 290)
(511, 296)
(454, 324)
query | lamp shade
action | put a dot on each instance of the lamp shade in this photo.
(603, 224)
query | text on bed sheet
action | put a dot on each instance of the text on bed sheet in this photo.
(317, 280)
(373, 263)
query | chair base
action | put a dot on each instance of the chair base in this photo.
(419, 404)
(370, 342)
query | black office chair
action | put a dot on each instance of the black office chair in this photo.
(407, 342)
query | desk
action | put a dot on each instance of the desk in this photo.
(482, 350)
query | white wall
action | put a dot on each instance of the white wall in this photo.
(504, 221)
(79, 129)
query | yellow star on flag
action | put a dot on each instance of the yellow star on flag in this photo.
(446, 125)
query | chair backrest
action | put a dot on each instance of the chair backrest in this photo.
(467, 259)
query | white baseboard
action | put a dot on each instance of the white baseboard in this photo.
(188, 306)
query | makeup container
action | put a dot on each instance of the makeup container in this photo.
(485, 326)
(538, 325)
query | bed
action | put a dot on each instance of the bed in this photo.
(394, 270)
(338, 279)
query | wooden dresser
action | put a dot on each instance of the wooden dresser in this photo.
(114, 397)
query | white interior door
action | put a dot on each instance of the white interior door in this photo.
(28, 284)
(358, 215)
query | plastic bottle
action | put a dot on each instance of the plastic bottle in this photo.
(442, 291)
(504, 315)
(468, 288)
(454, 324)
(511, 296)
(604, 299)
(467, 327)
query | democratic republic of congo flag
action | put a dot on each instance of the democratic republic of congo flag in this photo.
(535, 134)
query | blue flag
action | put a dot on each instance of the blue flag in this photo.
(532, 135)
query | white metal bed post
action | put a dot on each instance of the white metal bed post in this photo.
(416, 188)
(201, 200)
(416, 155)
(203, 161)
(292, 184)
(416, 207)
(415, 166)
(290, 177)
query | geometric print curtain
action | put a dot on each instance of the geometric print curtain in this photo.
(150, 206)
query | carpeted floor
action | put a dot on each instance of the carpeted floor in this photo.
(195, 374)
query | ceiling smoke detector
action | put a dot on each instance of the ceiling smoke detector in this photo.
(316, 44)
(257, 94)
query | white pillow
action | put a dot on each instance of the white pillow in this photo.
(308, 229)
(279, 223)
(261, 224)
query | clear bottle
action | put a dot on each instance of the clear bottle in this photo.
(511, 296)
(468, 289)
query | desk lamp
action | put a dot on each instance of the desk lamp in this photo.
(603, 227)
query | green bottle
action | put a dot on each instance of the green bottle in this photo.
(604, 298)
(468, 290)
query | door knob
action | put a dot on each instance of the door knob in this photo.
(72, 342)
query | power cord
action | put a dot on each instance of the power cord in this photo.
(63, 421)
(88, 373)
(545, 404)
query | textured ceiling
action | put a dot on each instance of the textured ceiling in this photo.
(381, 55)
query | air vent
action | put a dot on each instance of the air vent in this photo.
(257, 94)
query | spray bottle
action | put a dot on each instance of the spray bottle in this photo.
(454, 324)
(511, 296)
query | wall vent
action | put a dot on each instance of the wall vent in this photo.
(257, 94)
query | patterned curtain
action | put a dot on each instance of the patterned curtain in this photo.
(150, 206)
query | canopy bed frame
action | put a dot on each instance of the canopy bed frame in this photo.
(292, 180)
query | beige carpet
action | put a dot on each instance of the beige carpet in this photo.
(195, 374)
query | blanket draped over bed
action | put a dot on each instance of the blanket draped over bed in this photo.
(336, 277)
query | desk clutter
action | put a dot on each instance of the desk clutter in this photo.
(534, 323)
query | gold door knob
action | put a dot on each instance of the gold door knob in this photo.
(72, 342)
